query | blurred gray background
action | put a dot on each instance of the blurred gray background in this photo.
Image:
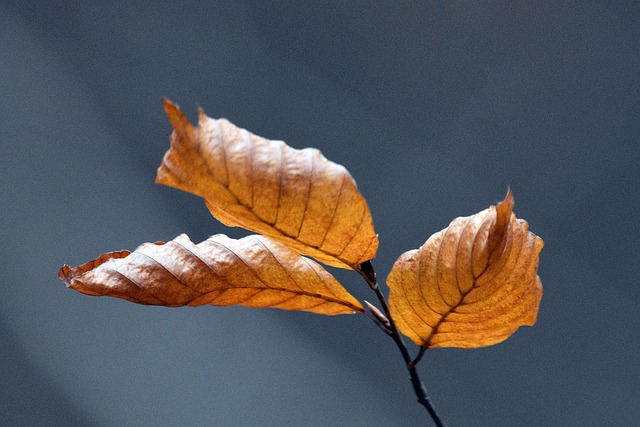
(434, 107)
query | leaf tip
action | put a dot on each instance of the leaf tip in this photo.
(168, 104)
(503, 212)
(202, 117)
(69, 274)
(508, 201)
(176, 117)
(66, 275)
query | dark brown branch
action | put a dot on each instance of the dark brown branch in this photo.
(368, 274)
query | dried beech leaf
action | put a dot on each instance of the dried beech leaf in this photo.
(295, 196)
(254, 272)
(470, 285)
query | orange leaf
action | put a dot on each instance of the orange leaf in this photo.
(254, 272)
(470, 285)
(295, 196)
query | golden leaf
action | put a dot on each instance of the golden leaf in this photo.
(295, 196)
(470, 285)
(254, 272)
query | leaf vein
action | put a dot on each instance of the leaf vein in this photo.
(307, 197)
(142, 288)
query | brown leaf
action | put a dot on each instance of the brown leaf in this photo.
(470, 285)
(295, 196)
(254, 272)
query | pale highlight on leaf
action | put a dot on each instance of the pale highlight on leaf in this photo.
(254, 272)
(295, 196)
(470, 285)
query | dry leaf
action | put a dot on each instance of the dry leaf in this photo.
(470, 285)
(254, 272)
(295, 196)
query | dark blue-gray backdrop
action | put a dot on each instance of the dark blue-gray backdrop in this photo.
(435, 108)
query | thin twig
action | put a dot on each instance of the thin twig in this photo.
(368, 274)
(415, 361)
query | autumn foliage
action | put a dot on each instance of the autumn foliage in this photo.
(294, 196)
(470, 285)
(254, 271)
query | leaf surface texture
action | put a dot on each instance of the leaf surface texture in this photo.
(470, 285)
(295, 196)
(254, 271)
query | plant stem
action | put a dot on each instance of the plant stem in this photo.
(368, 274)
